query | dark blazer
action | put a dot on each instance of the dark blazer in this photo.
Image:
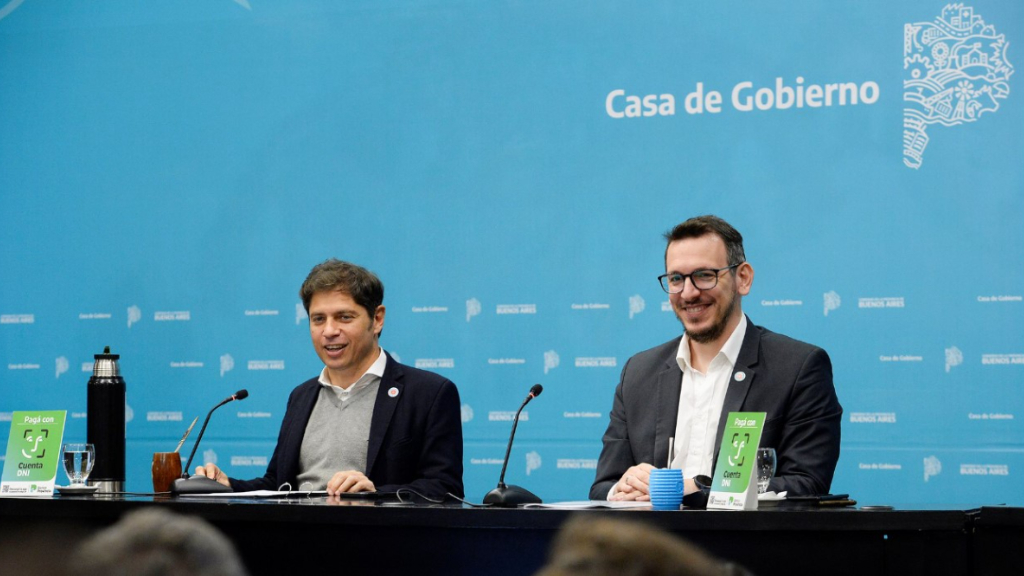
(415, 436)
(788, 379)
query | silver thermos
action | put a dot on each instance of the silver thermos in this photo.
(106, 429)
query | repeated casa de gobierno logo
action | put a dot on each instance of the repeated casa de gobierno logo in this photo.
(832, 301)
(227, 364)
(551, 361)
(473, 308)
(954, 357)
(932, 467)
(533, 462)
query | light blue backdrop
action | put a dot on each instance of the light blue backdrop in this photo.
(169, 172)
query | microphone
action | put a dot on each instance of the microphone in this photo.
(511, 496)
(202, 484)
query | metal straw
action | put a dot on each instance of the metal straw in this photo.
(187, 432)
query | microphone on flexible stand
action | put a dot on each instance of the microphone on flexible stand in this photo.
(202, 484)
(511, 496)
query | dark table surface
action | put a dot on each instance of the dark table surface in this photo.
(392, 537)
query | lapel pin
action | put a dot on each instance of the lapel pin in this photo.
(393, 392)
(739, 376)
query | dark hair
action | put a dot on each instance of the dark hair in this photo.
(157, 542)
(703, 225)
(359, 283)
(607, 547)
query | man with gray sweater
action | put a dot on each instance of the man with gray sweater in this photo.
(367, 423)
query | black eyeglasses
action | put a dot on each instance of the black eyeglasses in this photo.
(703, 279)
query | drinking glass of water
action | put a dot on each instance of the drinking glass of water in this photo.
(765, 468)
(78, 461)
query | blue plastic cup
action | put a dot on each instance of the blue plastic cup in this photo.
(666, 486)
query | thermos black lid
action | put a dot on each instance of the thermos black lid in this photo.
(106, 355)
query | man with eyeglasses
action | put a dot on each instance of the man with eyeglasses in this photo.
(683, 389)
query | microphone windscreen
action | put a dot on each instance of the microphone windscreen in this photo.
(536, 390)
(241, 395)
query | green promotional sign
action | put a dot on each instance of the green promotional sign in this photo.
(734, 485)
(33, 453)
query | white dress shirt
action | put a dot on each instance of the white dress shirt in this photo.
(701, 398)
(373, 374)
(700, 404)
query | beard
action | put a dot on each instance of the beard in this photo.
(716, 329)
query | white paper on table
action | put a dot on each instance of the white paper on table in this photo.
(771, 496)
(590, 505)
(261, 494)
